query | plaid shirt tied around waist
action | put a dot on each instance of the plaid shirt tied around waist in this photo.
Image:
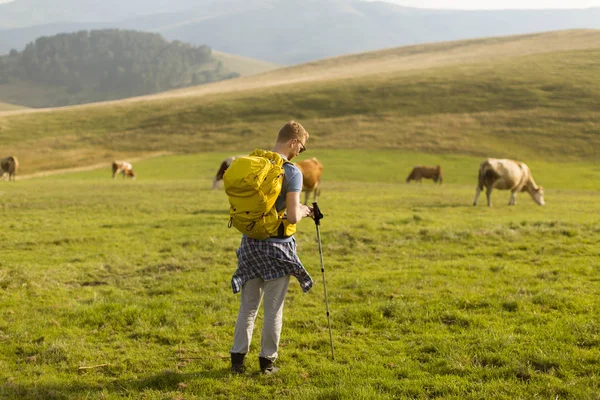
(268, 260)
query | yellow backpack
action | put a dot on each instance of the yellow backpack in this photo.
(253, 184)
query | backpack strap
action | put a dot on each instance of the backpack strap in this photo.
(281, 229)
(280, 232)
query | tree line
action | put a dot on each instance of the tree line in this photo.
(120, 63)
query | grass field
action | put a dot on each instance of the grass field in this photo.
(120, 289)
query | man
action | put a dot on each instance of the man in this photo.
(265, 266)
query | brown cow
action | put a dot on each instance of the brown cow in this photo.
(224, 165)
(122, 167)
(311, 177)
(9, 165)
(507, 175)
(421, 171)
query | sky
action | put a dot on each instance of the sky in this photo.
(495, 4)
(486, 4)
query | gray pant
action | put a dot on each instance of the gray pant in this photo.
(253, 291)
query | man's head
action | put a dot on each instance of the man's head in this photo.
(291, 139)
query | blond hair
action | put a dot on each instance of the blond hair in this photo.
(291, 130)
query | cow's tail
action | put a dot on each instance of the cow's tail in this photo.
(483, 169)
(15, 162)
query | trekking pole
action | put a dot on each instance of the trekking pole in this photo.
(317, 215)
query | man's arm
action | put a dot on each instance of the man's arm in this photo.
(295, 210)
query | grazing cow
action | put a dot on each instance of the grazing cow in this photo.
(421, 171)
(122, 167)
(9, 165)
(311, 177)
(507, 175)
(224, 165)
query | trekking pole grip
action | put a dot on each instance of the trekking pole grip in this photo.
(317, 215)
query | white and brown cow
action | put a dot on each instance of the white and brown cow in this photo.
(422, 171)
(311, 170)
(510, 175)
(222, 168)
(122, 167)
(9, 165)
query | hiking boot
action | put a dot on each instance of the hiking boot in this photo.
(237, 363)
(266, 366)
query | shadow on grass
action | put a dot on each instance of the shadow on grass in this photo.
(449, 205)
(165, 381)
(210, 212)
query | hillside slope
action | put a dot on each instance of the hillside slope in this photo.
(243, 65)
(408, 60)
(98, 65)
(528, 97)
(10, 107)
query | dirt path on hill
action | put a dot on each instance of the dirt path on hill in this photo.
(42, 174)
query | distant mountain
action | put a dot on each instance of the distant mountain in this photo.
(287, 31)
(23, 13)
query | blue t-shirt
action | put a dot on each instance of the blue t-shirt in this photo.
(292, 182)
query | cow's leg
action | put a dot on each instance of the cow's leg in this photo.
(513, 199)
(317, 193)
(488, 193)
(306, 194)
(477, 192)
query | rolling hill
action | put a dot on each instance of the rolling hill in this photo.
(528, 97)
(98, 65)
(10, 107)
(243, 65)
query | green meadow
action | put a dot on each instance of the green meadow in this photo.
(121, 289)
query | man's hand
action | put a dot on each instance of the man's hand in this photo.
(296, 210)
(306, 211)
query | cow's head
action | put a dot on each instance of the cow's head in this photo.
(538, 195)
(130, 174)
